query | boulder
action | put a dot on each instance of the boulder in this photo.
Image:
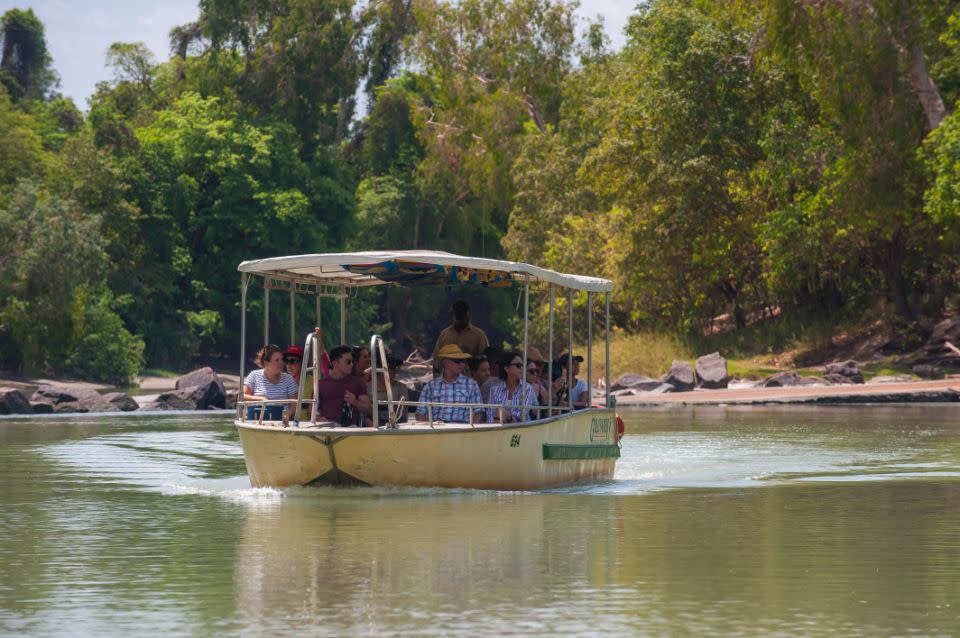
(42, 408)
(680, 376)
(122, 400)
(849, 369)
(205, 377)
(201, 397)
(838, 379)
(788, 379)
(712, 371)
(13, 401)
(71, 399)
(631, 381)
(928, 371)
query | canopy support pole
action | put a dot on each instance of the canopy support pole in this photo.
(570, 347)
(343, 316)
(525, 413)
(589, 348)
(244, 284)
(606, 334)
(550, 355)
(293, 313)
(266, 313)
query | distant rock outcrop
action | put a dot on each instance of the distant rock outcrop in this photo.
(789, 379)
(631, 381)
(53, 398)
(843, 372)
(13, 401)
(680, 376)
(199, 397)
(712, 371)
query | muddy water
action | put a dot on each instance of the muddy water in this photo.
(746, 521)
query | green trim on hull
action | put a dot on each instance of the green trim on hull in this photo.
(556, 452)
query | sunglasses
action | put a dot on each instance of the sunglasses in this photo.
(533, 371)
(292, 359)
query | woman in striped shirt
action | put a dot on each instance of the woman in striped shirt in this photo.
(270, 383)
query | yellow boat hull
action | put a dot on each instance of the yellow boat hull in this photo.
(562, 450)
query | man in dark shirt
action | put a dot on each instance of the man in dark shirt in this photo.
(341, 387)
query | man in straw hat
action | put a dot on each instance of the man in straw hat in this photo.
(451, 387)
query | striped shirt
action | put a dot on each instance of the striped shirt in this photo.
(258, 384)
(500, 394)
(463, 390)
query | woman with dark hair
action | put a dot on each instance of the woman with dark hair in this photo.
(269, 383)
(511, 391)
(361, 361)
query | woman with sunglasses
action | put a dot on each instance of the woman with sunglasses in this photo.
(511, 392)
(269, 383)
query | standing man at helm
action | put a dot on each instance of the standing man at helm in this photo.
(469, 338)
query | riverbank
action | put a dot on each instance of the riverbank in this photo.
(147, 390)
(940, 391)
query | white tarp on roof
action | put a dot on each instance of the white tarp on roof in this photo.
(334, 268)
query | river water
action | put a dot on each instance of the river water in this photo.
(811, 521)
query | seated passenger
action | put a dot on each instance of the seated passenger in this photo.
(293, 357)
(361, 362)
(397, 389)
(451, 387)
(269, 383)
(342, 397)
(479, 370)
(493, 357)
(580, 393)
(511, 392)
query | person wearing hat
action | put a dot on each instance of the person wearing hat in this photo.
(452, 386)
(461, 332)
(580, 393)
(397, 389)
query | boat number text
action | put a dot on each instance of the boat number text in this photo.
(600, 429)
(515, 440)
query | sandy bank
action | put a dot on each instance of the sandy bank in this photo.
(903, 392)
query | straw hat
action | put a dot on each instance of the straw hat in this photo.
(452, 351)
(535, 355)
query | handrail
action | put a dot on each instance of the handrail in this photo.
(377, 348)
(308, 349)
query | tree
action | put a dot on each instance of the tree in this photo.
(25, 63)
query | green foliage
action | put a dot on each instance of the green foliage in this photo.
(25, 63)
(52, 254)
(103, 349)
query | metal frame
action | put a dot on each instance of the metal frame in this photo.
(304, 285)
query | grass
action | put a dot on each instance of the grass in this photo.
(645, 353)
(160, 372)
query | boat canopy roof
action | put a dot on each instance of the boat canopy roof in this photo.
(412, 267)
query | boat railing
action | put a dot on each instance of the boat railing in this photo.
(242, 407)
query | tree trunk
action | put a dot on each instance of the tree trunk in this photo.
(893, 273)
(925, 89)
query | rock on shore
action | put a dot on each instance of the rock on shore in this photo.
(712, 371)
(201, 389)
(13, 401)
(53, 398)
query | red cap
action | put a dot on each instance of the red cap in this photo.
(295, 351)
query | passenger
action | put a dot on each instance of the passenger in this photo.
(269, 383)
(510, 393)
(493, 356)
(361, 361)
(293, 357)
(462, 333)
(581, 393)
(451, 387)
(479, 369)
(536, 369)
(342, 396)
(399, 391)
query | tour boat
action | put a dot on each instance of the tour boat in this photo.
(564, 446)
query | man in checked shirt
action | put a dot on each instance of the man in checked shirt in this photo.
(452, 386)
